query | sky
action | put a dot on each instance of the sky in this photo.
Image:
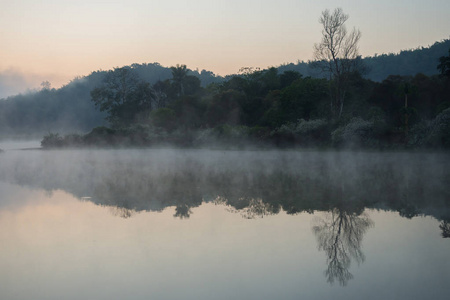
(59, 40)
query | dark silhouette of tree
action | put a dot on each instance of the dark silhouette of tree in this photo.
(224, 108)
(340, 236)
(337, 55)
(288, 77)
(179, 74)
(444, 65)
(123, 96)
(164, 118)
(161, 88)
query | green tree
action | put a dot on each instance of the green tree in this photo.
(189, 111)
(162, 91)
(303, 99)
(444, 65)
(179, 73)
(224, 108)
(124, 97)
(191, 85)
(163, 117)
(184, 84)
(288, 77)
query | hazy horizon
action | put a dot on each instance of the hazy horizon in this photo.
(57, 41)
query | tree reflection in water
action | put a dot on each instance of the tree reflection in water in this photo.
(249, 208)
(183, 211)
(340, 235)
(445, 227)
(122, 212)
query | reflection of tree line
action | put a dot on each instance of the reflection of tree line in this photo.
(339, 234)
(292, 192)
(257, 190)
(260, 185)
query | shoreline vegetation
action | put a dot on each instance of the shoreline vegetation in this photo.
(267, 109)
(263, 108)
(356, 134)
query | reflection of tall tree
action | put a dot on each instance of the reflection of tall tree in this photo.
(340, 235)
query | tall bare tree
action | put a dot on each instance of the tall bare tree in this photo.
(337, 54)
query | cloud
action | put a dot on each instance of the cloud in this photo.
(13, 81)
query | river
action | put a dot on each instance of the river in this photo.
(223, 224)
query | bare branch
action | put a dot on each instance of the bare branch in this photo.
(336, 53)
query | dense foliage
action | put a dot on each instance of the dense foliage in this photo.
(70, 109)
(264, 107)
(147, 104)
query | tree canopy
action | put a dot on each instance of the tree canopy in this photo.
(124, 97)
(444, 65)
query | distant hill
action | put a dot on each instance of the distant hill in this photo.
(405, 63)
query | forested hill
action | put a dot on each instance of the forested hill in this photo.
(407, 62)
(70, 108)
(379, 67)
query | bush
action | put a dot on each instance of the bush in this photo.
(52, 140)
(73, 140)
(435, 133)
(101, 136)
(306, 133)
(224, 135)
(231, 132)
(357, 133)
(164, 118)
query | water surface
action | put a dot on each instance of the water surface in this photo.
(204, 224)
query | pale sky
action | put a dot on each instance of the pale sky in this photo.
(58, 40)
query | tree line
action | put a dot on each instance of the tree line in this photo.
(341, 109)
(70, 109)
(337, 106)
(267, 107)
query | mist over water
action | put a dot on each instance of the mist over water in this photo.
(19, 144)
(151, 179)
(226, 224)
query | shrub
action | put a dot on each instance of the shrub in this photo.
(73, 140)
(163, 117)
(101, 136)
(307, 133)
(224, 135)
(357, 133)
(435, 133)
(52, 140)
